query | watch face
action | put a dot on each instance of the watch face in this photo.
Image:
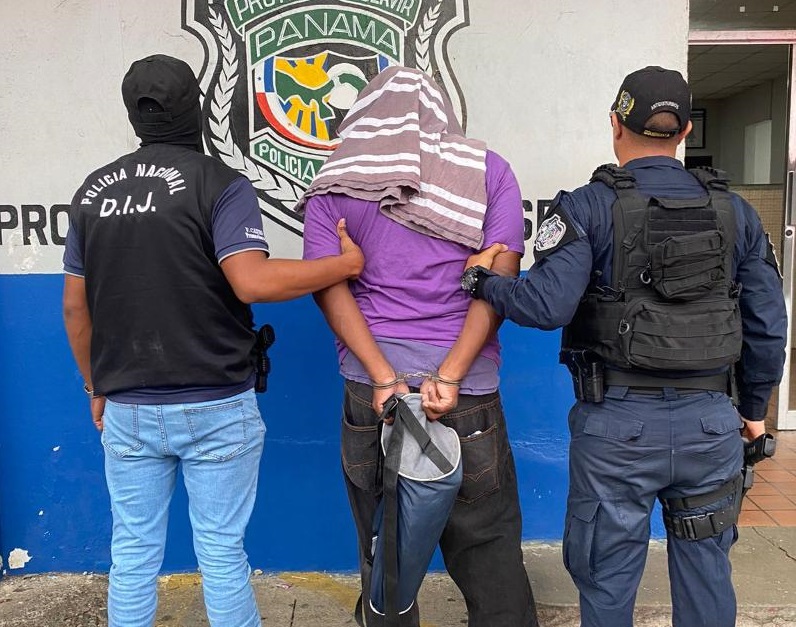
(469, 279)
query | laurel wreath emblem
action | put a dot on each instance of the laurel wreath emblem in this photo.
(278, 187)
(424, 32)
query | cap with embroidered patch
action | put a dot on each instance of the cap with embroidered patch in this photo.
(652, 90)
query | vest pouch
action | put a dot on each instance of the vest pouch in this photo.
(687, 267)
(659, 335)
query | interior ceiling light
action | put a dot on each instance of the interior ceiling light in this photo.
(742, 9)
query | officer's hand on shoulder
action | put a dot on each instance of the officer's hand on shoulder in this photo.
(486, 257)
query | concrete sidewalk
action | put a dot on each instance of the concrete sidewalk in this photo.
(764, 561)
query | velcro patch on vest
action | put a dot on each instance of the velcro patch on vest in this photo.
(555, 231)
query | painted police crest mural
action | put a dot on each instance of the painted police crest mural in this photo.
(280, 75)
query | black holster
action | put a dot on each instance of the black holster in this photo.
(701, 526)
(587, 369)
(756, 451)
(265, 338)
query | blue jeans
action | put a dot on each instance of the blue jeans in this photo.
(625, 453)
(219, 444)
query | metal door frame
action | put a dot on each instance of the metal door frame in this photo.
(785, 418)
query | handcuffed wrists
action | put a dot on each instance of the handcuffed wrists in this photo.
(386, 385)
(403, 377)
(446, 381)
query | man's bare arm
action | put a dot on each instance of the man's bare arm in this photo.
(349, 325)
(256, 278)
(480, 324)
(77, 321)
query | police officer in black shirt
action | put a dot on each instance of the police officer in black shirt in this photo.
(164, 254)
(669, 293)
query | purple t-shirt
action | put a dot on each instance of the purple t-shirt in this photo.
(409, 290)
(236, 226)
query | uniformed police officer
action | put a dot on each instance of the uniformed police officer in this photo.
(667, 287)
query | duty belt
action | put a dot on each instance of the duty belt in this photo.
(713, 383)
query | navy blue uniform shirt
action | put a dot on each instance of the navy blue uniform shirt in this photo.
(547, 297)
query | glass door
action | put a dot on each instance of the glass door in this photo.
(743, 85)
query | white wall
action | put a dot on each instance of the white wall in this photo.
(757, 153)
(538, 79)
(61, 112)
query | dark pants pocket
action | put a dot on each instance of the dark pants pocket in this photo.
(359, 440)
(480, 465)
(579, 539)
(479, 430)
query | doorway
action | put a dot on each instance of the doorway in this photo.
(742, 83)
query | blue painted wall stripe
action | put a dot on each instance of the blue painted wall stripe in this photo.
(53, 500)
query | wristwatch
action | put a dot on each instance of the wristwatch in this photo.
(472, 280)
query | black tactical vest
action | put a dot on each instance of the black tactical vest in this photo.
(163, 313)
(672, 304)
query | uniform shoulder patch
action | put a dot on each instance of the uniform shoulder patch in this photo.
(555, 231)
(551, 232)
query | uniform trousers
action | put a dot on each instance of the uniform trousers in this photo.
(624, 454)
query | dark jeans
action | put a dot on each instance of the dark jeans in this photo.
(481, 542)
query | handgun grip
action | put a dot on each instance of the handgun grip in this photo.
(759, 449)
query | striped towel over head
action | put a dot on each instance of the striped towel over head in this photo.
(404, 148)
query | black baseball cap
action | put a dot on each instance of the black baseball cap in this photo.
(168, 81)
(652, 90)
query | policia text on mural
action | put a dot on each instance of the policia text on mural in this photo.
(44, 226)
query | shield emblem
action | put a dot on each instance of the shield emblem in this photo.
(305, 98)
(279, 78)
